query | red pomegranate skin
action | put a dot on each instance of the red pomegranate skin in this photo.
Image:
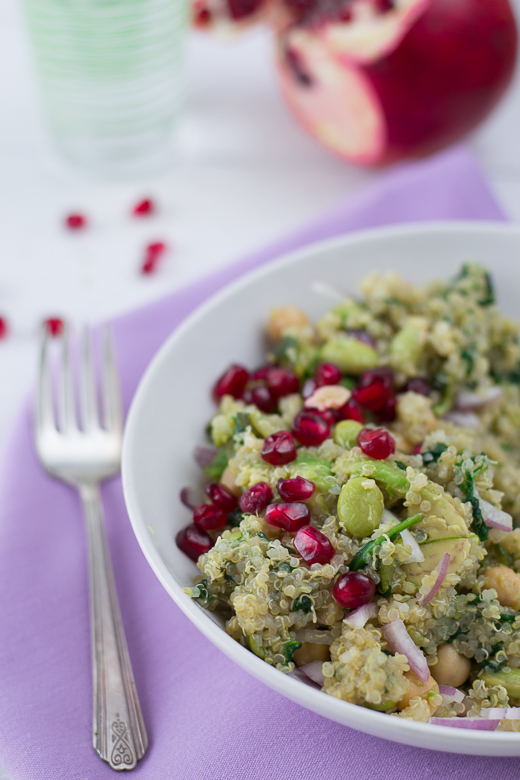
(445, 76)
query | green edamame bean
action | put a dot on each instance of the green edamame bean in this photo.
(349, 354)
(510, 680)
(360, 506)
(346, 433)
(407, 344)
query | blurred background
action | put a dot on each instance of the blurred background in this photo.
(243, 173)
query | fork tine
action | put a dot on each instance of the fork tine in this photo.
(112, 406)
(66, 402)
(89, 408)
(44, 405)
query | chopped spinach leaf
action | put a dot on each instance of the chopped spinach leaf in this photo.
(302, 603)
(478, 525)
(283, 349)
(218, 465)
(289, 648)
(400, 464)
(242, 422)
(433, 455)
(235, 518)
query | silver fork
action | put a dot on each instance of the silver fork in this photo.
(83, 457)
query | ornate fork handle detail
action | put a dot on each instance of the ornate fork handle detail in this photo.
(119, 734)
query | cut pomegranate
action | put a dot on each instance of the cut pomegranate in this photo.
(295, 489)
(221, 497)
(256, 499)
(376, 443)
(351, 411)
(144, 208)
(282, 381)
(193, 541)
(232, 382)
(375, 388)
(152, 255)
(54, 325)
(394, 80)
(387, 413)
(310, 428)
(262, 398)
(354, 589)
(313, 546)
(361, 335)
(75, 221)
(291, 517)
(327, 374)
(3, 328)
(418, 385)
(279, 448)
(209, 516)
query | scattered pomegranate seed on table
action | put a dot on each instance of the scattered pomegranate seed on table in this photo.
(309, 428)
(221, 497)
(194, 541)
(290, 517)
(54, 325)
(144, 208)
(256, 498)
(75, 221)
(232, 382)
(295, 489)
(153, 253)
(208, 516)
(354, 589)
(279, 449)
(376, 443)
(3, 328)
(313, 545)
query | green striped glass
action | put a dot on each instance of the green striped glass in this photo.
(111, 76)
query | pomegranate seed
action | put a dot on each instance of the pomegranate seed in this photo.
(418, 385)
(279, 448)
(75, 221)
(383, 6)
(261, 397)
(261, 373)
(309, 428)
(152, 255)
(377, 443)
(3, 328)
(190, 497)
(282, 382)
(193, 541)
(313, 546)
(308, 388)
(54, 325)
(209, 516)
(327, 374)
(387, 412)
(417, 449)
(290, 517)
(351, 411)
(256, 498)
(202, 18)
(295, 489)
(361, 335)
(143, 208)
(354, 589)
(327, 415)
(375, 388)
(232, 382)
(221, 497)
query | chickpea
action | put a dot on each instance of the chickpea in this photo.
(451, 668)
(228, 481)
(282, 319)
(506, 582)
(311, 651)
(426, 690)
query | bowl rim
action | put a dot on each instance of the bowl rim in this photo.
(397, 729)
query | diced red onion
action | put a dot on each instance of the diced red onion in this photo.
(314, 671)
(451, 694)
(465, 419)
(204, 456)
(442, 570)
(495, 517)
(467, 400)
(417, 555)
(358, 617)
(466, 723)
(502, 713)
(326, 289)
(190, 497)
(298, 675)
(400, 640)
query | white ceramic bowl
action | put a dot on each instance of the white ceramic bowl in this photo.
(168, 416)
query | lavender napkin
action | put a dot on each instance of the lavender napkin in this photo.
(207, 719)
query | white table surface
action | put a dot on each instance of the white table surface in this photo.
(246, 174)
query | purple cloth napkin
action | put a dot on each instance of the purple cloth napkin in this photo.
(206, 718)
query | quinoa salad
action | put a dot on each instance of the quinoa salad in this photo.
(362, 487)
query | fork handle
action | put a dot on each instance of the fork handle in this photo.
(119, 734)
